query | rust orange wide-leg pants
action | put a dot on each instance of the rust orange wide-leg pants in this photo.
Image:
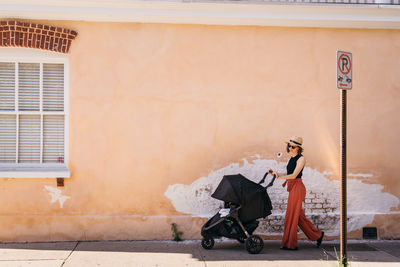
(295, 216)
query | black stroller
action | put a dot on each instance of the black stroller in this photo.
(245, 202)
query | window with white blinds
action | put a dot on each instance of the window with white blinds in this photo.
(32, 113)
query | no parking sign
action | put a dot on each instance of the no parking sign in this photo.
(344, 70)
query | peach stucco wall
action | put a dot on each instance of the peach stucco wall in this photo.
(153, 105)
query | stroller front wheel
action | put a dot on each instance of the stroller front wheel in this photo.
(207, 242)
(254, 244)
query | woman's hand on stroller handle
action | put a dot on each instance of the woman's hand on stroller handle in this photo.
(270, 171)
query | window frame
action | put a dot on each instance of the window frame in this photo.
(39, 170)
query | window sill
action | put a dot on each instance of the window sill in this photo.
(35, 172)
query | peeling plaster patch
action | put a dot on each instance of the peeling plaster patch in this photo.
(56, 195)
(321, 204)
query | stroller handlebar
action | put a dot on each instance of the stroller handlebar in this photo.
(270, 183)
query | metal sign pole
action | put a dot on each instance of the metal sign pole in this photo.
(343, 174)
(344, 82)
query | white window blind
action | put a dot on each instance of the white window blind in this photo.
(8, 137)
(7, 86)
(29, 139)
(53, 138)
(32, 113)
(29, 86)
(53, 87)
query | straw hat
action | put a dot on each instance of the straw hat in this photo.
(296, 140)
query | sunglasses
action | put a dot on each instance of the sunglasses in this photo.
(291, 146)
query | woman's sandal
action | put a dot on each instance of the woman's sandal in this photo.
(319, 241)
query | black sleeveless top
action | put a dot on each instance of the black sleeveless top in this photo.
(292, 166)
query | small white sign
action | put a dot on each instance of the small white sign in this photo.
(344, 70)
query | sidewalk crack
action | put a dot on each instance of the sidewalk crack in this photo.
(76, 245)
(201, 256)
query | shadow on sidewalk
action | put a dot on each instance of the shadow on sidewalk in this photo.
(223, 250)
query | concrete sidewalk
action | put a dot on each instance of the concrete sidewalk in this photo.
(190, 253)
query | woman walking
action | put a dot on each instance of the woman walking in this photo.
(297, 192)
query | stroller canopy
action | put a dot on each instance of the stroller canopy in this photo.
(252, 197)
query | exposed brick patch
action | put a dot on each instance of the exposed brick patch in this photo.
(320, 209)
(274, 224)
(33, 35)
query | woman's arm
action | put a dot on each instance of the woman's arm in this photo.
(275, 173)
(279, 174)
(299, 166)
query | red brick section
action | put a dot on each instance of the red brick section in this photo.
(33, 35)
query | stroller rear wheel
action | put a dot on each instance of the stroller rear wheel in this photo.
(254, 244)
(207, 242)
